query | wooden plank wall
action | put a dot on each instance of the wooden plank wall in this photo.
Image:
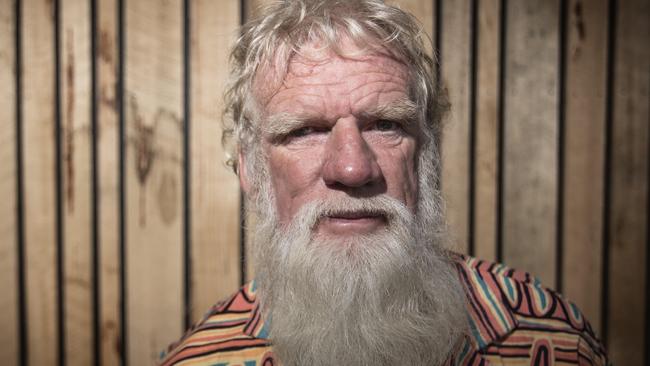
(75, 137)
(8, 211)
(107, 233)
(121, 224)
(41, 183)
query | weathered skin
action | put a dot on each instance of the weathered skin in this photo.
(333, 147)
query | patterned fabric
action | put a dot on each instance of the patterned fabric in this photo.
(514, 321)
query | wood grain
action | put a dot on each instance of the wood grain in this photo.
(76, 155)
(629, 186)
(111, 345)
(9, 337)
(39, 182)
(455, 67)
(487, 129)
(153, 107)
(215, 188)
(252, 9)
(585, 59)
(531, 138)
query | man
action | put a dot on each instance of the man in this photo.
(336, 124)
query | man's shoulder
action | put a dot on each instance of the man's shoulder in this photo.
(511, 310)
(230, 333)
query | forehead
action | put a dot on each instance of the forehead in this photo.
(314, 76)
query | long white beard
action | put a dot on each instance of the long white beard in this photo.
(389, 298)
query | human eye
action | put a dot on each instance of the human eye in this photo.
(301, 132)
(304, 134)
(385, 125)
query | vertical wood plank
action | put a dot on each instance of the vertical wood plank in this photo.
(423, 11)
(531, 137)
(76, 142)
(435, 23)
(487, 128)
(455, 67)
(252, 9)
(629, 185)
(215, 188)
(9, 352)
(153, 102)
(39, 178)
(586, 71)
(107, 59)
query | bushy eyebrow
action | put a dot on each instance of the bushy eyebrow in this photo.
(401, 110)
(279, 125)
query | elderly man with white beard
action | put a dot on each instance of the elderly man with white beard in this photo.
(333, 122)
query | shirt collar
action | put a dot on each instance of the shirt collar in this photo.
(257, 325)
(488, 291)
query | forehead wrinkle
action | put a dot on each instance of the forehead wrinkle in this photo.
(295, 77)
(386, 87)
(310, 106)
(389, 94)
(302, 66)
(389, 87)
(271, 77)
(354, 98)
(303, 104)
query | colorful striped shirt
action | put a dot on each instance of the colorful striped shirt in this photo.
(513, 319)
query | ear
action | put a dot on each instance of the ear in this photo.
(244, 183)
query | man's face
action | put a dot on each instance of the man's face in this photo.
(340, 127)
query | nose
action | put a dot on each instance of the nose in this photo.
(349, 161)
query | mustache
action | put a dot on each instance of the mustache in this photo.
(383, 205)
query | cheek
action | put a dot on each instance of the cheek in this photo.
(292, 177)
(401, 175)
